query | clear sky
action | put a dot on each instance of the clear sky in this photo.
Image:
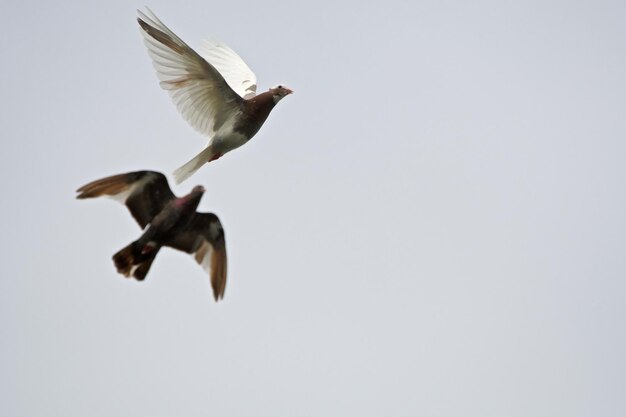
(434, 224)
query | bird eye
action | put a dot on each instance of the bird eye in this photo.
(280, 86)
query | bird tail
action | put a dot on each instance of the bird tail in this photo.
(135, 260)
(187, 170)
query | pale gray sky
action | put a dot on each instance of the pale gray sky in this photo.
(432, 225)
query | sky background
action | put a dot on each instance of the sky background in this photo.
(434, 224)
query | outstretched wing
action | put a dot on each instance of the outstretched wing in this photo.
(199, 91)
(204, 238)
(145, 193)
(237, 74)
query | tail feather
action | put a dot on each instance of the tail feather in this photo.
(134, 261)
(187, 170)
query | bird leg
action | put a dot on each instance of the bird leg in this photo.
(148, 248)
(216, 156)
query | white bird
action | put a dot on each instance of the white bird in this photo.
(215, 90)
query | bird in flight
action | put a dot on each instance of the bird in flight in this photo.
(166, 221)
(214, 90)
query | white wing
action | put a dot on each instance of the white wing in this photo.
(237, 74)
(197, 88)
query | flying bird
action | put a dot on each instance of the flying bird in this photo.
(214, 90)
(166, 221)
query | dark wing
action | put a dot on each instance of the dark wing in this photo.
(204, 238)
(145, 193)
(199, 91)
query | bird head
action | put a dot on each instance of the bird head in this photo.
(279, 92)
(198, 189)
(196, 194)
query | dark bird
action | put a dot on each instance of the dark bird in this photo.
(215, 90)
(167, 221)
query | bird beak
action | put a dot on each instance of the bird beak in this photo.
(289, 91)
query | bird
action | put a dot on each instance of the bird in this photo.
(166, 220)
(214, 90)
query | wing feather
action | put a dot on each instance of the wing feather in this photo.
(234, 69)
(145, 193)
(204, 239)
(199, 91)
